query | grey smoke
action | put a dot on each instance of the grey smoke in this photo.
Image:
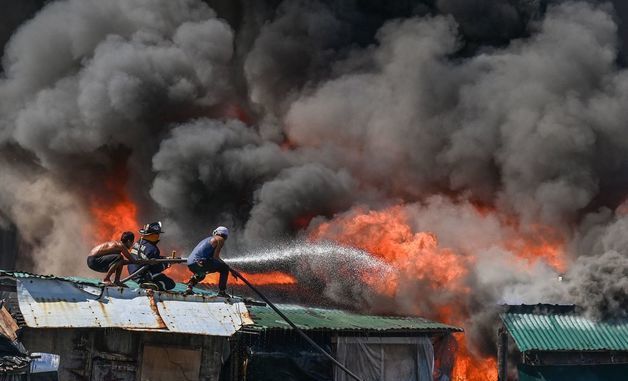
(300, 41)
(344, 108)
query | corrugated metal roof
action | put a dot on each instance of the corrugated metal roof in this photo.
(51, 301)
(180, 315)
(563, 330)
(337, 320)
(180, 287)
(56, 303)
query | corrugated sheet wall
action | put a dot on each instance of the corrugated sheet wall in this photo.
(91, 354)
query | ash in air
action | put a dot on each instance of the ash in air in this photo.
(483, 122)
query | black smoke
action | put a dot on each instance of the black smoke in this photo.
(274, 116)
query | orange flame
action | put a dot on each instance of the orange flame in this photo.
(112, 210)
(417, 257)
(541, 243)
(181, 274)
(271, 278)
(472, 367)
(414, 253)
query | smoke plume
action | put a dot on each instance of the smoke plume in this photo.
(474, 151)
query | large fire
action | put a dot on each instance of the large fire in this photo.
(113, 212)
(417, 256)
(116, 213)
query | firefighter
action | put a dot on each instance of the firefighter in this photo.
(146, 248)
(205, 259)
(110, 257)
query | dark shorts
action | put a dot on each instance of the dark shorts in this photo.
(103, 263)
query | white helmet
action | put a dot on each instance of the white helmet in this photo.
(221, 230)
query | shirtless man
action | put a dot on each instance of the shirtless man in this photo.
(110, 257)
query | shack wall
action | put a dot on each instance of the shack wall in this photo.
(105, 354)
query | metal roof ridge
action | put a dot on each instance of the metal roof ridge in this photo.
(265, 318)
(572, 331)
(400, 317)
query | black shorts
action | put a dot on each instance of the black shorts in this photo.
(103, 263)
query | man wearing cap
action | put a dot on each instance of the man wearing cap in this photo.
(111, 256)
(205, 259)
(146, 248)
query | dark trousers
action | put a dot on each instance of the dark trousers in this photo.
(103, 263)
(210, 266)
(161, 280)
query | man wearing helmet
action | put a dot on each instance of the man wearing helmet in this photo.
(205, 259)
(146, 248)
(111, 256)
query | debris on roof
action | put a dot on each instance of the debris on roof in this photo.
(562, 328)
(8, 325)
(12, 364)
(13, 355)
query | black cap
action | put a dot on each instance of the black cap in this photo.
(127, 236)
(152, 228)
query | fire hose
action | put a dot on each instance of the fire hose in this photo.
(149, 262)
(236, 274)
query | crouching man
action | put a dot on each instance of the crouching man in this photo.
(205, 259)
(146, 248)
(110, 257)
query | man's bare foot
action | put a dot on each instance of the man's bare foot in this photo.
(107, 282)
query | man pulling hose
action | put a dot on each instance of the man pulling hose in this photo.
(205, 259)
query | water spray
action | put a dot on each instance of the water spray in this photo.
(351, 256)
(237, 275)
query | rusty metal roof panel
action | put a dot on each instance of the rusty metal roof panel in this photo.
(327, 319)
(50, 302)
(215, 318)
(555, 328)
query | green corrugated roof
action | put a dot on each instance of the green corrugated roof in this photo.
(326, 319)
(180, 287)
(564, 331)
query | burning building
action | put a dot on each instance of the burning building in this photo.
(431, 158)
(104, 333)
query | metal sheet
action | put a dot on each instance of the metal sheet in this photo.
(205, 317)
(56, 304)
(565, 332)
(308, 318)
